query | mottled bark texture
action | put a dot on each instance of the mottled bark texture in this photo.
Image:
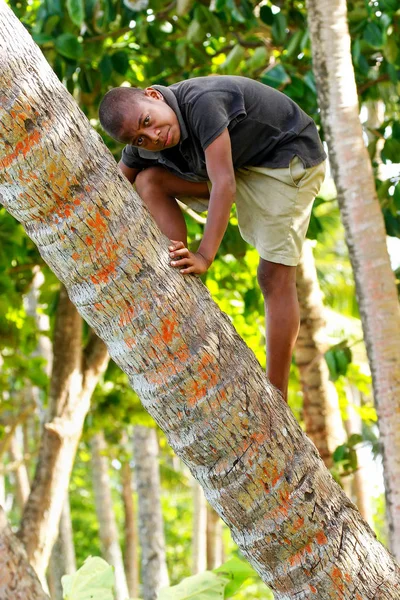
(18, 581)
(365, 231)
(154, 574)
(108, 530)
(193, 373)
(322, 418)
(215, 547)
(73, 379)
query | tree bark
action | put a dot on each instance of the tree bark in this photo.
(365, 230)
(72, 383)
(193, 373)
(108, 529)
(154, 574)
(18, 581)
(62, 559)
(22, 485)
(322, 418)
(131, 559)
(199, 529)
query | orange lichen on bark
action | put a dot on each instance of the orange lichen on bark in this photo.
(321, 538)
(206, 379)
(21, 147)
(168, 329)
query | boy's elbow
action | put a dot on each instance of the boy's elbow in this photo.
(227, 184)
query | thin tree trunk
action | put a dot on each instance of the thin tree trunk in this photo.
(215, 549)
(18, 581)
(154, 574)
(22, 485)
(62, 559)
(131, 559)
(73, 380)
(108, 529)
(322, 416)
(365, 231)
(193, 373)
(199, 529)
(361, 485)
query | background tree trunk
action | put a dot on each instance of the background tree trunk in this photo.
(365, 230)
(18, 580)
(22, 485)
(131, 559)
(73, 380)
(215, 548)
(62, 559)
(108, 530)
(322, 417)
(193, 373)
(154, 574)
(199, 529)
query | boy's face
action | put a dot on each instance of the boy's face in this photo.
(151, 123)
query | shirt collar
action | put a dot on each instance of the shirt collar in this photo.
(172, 102)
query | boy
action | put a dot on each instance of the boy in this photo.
(212, 141)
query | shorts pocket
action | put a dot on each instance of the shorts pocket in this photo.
(297, 171)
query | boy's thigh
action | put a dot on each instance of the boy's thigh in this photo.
(274, 208)
(170, 183)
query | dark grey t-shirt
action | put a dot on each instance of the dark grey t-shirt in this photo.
(266, 127)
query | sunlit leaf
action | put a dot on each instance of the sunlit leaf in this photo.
(94, 580)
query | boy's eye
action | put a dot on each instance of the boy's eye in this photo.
(147, 119)
(139, 141)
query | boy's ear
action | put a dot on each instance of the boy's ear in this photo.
(151, 92)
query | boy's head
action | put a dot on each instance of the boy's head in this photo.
(139, 117)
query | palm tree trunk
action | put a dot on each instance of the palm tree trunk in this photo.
(193, 373)
(322, 416)
(131, 560)
(18, 580)
(151, 527)
(365, 231)
(199, 529)
(108, 530)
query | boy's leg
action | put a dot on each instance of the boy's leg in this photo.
(282, 316)
(158, 189)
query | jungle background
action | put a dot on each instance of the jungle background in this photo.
(124, 471)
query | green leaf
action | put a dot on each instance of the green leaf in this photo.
(234, 11)
(373, 35)
(95, 579)
(391, 50)
(195, 32)
(258, 59)
(181, 53)
(238, 571)
(233, 59)
(76, 11)
(279, 28)
(331, 362)
(205, 586)
(294, 43)
(120, 62)
(339, 453)
(391, 150)
(67, 45)
(275, 77)
(355, 439)
(106, 67)
(42, 38)
(266, 15)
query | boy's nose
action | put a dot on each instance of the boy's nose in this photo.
(155, 136)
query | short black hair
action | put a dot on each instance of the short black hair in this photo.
(114, 106)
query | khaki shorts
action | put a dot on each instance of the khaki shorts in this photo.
(274, 208)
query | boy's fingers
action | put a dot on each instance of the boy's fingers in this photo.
(188, 270)
(176, 245)
(182, 262)
(181, 252)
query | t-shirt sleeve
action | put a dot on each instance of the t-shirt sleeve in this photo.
(213, 112)
(131, 158)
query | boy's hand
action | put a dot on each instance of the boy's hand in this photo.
(193, 262)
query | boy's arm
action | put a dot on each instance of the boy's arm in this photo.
(222, 175)
(129, 173)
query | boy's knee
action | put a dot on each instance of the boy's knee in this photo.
(148, 180)
(274, 277)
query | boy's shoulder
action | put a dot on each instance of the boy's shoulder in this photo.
(189, 90)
